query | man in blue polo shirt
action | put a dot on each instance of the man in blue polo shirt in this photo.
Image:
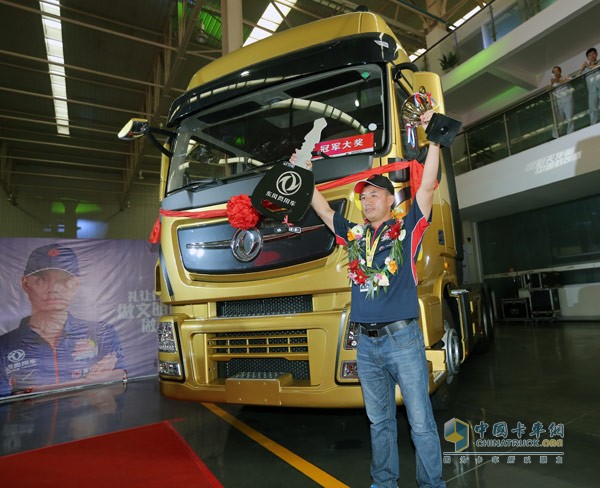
(51, 348)
(385, 308)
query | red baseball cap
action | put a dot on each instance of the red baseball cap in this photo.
(378, 181)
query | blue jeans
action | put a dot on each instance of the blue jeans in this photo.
(399, 357)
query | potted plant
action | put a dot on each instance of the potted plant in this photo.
(448, 61)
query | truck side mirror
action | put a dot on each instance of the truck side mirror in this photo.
(134, 129)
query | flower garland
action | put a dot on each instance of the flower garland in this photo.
(374, 278)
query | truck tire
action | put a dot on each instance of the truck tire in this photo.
(487, 325)
(445, 395)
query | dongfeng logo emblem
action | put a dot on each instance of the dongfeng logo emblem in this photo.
(288, 183)
(246, 244)
(16, 355)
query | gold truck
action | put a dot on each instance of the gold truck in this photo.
(260, 315)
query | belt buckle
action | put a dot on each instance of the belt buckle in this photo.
(373, 333)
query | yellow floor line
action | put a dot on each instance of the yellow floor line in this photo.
(317, 475)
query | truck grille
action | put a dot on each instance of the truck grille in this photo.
(267, 342)
(260, 352)
(265, 306)
(242, 368)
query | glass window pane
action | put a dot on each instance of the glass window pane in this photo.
(560, 235)
(487, 143)
(460, 156)
(530, 124)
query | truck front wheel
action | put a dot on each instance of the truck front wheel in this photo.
(487, 324)
(445, 395)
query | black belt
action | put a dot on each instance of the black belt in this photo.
(380, 329)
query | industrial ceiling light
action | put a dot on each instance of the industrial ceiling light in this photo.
(465, 17)
(54, 53)
(417, 53)
(201, 36)
(450, 28)
(270, 21)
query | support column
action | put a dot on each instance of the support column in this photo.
(231, 15)
(70, 218)
(435, 30)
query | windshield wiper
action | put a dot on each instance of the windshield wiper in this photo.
(199, 184)
(258, 169)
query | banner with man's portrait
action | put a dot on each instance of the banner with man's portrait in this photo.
(76, 312)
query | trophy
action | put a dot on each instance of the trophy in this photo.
(441, 128)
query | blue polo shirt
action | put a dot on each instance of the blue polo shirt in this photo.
(27, 360)
(400, 301)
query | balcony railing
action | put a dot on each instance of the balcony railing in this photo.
(534, 121)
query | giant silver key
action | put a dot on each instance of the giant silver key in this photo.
(310, 140)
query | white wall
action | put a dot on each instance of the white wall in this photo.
(579, 301)
(574, 155)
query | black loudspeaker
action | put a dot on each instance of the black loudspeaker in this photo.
(535, 280)
(550, 279)
(515, 308)
(545, 300)
(284, 191)
(540, 280)
(442, 129)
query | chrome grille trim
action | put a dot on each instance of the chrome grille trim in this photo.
(224, 346)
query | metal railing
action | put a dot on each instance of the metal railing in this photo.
(534, 121)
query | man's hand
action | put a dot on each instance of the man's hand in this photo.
(426, 117)
(307, 164)
(104, 370)
(107, 363)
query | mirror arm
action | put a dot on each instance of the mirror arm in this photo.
(150, 133)
(397, 72)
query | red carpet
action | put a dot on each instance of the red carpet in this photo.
(150, 456)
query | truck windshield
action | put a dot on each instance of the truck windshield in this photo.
(265, 126)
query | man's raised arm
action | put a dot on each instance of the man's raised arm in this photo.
(430, 171)
(319, 203)
(324, 211)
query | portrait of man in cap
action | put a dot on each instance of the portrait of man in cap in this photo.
(51, 348)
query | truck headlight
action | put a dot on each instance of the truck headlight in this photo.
(349, 370)
(169, 368)
(166, 337)
(351, 339)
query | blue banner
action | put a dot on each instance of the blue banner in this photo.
(76, 312)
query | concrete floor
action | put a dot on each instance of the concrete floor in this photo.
(534, 373)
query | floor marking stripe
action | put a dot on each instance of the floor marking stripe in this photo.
(308, 469)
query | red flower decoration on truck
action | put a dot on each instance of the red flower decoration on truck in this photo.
(240, 212)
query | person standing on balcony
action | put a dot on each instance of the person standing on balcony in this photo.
(563, 101)
(385, 309)
(593, 82)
